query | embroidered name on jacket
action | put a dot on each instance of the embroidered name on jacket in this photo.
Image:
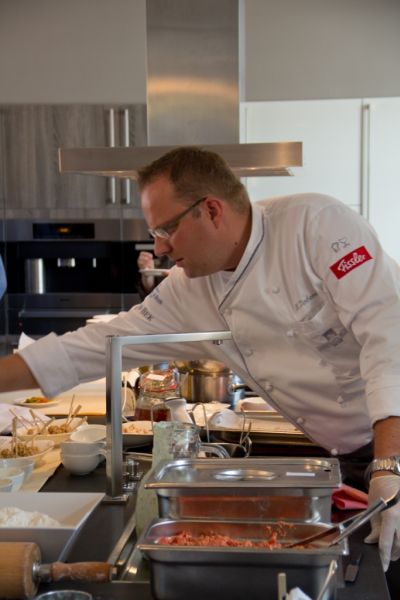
(351, 261)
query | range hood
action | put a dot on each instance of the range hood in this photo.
(193, 81)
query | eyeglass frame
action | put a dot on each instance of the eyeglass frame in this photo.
(162, 230)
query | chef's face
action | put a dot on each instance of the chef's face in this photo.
(192, 242)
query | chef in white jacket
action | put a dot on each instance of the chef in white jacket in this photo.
(309, 295)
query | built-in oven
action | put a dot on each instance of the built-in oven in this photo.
(61, 273)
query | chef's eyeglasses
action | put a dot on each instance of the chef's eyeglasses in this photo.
(167, 229)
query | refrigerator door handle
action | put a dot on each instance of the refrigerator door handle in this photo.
(126, 183)
(112, 184)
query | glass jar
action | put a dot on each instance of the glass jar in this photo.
(155, 387)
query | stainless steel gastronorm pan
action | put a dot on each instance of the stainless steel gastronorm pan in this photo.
(250, 488)
(231, 573)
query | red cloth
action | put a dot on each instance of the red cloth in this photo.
(349, 498)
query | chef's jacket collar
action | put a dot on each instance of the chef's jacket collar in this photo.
(256, 235)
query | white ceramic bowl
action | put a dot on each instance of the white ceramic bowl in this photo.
(53, 434)
(41, 447)
(89, 433)
(80, 448)
(80, 464)
(5, 485)
(26, 464)
(16, 475)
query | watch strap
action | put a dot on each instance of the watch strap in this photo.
(389, 463)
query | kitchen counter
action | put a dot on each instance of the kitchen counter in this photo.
(101, 533)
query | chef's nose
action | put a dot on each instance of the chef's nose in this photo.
(161, 246)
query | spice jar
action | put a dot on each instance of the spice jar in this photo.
(155, 387)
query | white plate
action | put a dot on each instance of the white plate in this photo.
(154, 272)
(70, 509)
(42, 446)
(23, 402)
(137, 433)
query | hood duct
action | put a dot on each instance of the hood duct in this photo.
(192, 95)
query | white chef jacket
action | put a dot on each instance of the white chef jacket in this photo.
(313, 308)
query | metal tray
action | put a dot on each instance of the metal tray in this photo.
(251, 488)
(240, 474)
(230, 573)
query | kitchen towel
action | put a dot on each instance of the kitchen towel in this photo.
(349, 498)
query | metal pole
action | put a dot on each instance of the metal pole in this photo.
(114, 345)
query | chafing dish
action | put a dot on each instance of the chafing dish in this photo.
(234, 573)
(251, 488)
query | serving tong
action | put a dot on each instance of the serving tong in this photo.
(348, 526)
(245, 442)
(282, 587)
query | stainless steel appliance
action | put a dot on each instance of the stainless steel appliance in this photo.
(193, 91)
(62, 272)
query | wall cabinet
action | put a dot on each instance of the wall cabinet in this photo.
(351, 150)
(33, 193)
(30, 138)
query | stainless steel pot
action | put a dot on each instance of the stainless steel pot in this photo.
(207, 381)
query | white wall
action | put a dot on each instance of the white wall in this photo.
(313, 49)
(56, 51)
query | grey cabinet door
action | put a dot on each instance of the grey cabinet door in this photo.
(29, 165)
(30, 138)
(76, 126)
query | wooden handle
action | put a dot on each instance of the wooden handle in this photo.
(16, 566)
(19, 579)
(84, 571)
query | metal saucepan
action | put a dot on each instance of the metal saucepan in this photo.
(207, 381)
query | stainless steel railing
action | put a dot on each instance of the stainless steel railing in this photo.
(114, 345)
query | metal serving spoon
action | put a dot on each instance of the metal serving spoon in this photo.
(350, 525)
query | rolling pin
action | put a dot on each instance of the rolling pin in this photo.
(21, 570)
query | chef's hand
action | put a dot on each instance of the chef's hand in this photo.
(385, 527)
(145, 260)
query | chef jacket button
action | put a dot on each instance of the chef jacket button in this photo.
(300, 420)
(334, 452)
(268, 386)
(248, 352)
(291, 333)
(340, 399)
(276, 290)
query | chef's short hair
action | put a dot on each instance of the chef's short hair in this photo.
(195, 173)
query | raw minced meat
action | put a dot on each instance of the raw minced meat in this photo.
(212, 539)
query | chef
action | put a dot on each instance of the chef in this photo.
(307, 291)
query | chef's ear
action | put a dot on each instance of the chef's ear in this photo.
(214, 208)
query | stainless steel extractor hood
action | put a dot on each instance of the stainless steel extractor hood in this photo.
(193, 78)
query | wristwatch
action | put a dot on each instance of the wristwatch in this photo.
(391, 463)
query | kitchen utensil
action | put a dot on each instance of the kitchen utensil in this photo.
(347, 527)
(208, 381)
(82, 464)
(180, 571)
(21, 570)
(329, 576)
(65, 595)
(237, 488)
(351, 572)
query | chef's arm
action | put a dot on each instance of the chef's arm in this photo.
(387, 438)
(385, 527)
(15, 374)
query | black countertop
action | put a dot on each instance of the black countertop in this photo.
(104, 527)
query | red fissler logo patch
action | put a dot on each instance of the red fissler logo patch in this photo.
(351, 261)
